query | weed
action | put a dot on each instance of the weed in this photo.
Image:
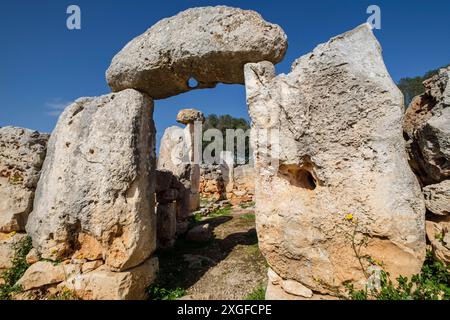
(19, 266)
(259, 293)
(158, 293)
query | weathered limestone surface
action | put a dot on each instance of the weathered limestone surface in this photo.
(437, 198)
(97, 182)
(341, 167)
(210, 44)
(427, 128)
(438, 233)
(186, 116)
(102, 284)
(22, 153)
(8, 243)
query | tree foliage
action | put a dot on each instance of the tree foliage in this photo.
(411, 87)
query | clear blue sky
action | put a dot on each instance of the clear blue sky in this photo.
(43, 65)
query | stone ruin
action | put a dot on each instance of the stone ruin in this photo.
(337, 164)
(226, 182)
(178, 177)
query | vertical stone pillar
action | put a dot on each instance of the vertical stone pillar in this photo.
(192, 132)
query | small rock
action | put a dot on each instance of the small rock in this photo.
(91, 266)
(274, 278)
(32, 257)
(201, 233)
(296, 288)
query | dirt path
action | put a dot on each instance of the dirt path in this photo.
(230, 266)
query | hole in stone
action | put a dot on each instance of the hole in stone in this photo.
(192, 83)
(299, 176)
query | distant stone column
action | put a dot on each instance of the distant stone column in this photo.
(227, 169)
(192, 132)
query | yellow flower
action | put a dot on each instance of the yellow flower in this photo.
(349, 217)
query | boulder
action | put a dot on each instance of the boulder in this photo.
(328, 146)
(98, 180)
(103, 284)
(209, 44)
(22, 153)
(427, 129)
(437, 198)
(42, 274)
(186, 116)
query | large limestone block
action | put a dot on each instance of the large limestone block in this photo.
(98, 180)
(103, 284)
(427, 128)
(210, 44)
(329, 148)
(22, 153)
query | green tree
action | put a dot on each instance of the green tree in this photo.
(411, 87)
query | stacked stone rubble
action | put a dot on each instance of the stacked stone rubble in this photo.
(22, 153)
(427, 130)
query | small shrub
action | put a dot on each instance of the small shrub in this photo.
(19, 266)
(259, 293)
(158, 293)
(65, 294)
(433, 283)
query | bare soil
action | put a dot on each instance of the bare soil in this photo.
(228, 267)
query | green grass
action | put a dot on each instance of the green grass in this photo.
(248, 216)
(246, 205)
(433, 283)
(259, 293)
(221, 212)
(158, 293)
(19, 266)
